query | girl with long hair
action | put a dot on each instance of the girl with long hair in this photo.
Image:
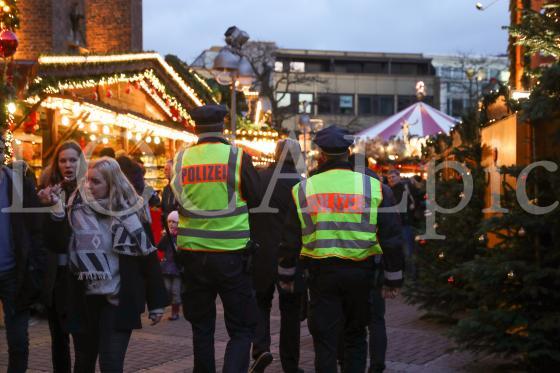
(59, 182)
(117, 266)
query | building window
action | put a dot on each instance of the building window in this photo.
(380, 105)
(457, 107)
(316, 67)
(305, 103)
(375, 68)
(279, 66)
(405, 101)
(399, 68)
(283, 99)
(297, 67)
(336, 104)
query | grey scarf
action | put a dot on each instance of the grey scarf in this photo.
(126, 235)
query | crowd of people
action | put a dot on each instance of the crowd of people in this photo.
(331, 245)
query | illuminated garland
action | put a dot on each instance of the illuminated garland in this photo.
(72, 60)
(162, 97)
(105, 116)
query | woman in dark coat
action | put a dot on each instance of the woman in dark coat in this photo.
(115, 265)
(61, 178)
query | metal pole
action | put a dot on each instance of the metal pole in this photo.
(233, 111)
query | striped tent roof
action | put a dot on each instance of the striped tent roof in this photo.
(422, 120)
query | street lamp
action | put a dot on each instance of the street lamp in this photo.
(233, 68)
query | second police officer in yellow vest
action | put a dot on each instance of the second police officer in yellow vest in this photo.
(336, 224)
(216, 184)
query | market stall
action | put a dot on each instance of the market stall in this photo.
(136, 104)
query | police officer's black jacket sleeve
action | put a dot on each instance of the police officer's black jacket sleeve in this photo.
(389, 235)
(290, 247)
(250, 182)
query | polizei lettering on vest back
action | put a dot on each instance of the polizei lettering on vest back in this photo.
(204, 173)
(336, 203)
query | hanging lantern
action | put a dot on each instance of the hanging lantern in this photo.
(521, 232)
(8, 43)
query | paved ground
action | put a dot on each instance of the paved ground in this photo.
(415, 345)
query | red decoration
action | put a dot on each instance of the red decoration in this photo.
(8, 43)
(95, 96)
(82, 142)
(109, 94)
(422, 242)
(29, 126)
(137, 85)
(128, 89)
(450, 280)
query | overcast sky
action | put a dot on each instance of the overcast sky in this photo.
(187, 27)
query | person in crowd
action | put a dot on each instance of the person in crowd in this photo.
(376, 326)
(168, 200)
(134, 172)
(405, 196)
(107, 152)
(171, 274)
(116, 265)
(334, 223)
(280, 176)
(66, 164)
(217, 184)
(22, 260)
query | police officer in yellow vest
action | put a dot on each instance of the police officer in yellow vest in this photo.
(337, 228)
(215, 184)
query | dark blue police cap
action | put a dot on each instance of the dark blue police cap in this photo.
(333, 140)
(208, 115)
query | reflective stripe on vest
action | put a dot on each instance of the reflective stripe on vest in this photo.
(328, 209)
(206, 182)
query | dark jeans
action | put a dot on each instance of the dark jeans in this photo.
(290, 307)
(207, 275)
(60, 344)
(16, 322)
(339, 295)
(60, 338)
(101, 338)
(376, 327)
(408, 250)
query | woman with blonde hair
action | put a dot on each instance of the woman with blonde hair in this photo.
(112, 258)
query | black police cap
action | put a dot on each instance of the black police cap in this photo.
(208, 115)
(333, 140)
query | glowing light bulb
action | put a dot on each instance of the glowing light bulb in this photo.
(157, 140)
(93, 127)
(12, 108)
(92, 137)
(129, 135)
(106, 130)
(105, 140)
(81, 125)
(6, 9)
(148, 139)
(138, 136)
(65, 121)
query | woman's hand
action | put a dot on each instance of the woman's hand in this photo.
(50, 195)
(44, 196)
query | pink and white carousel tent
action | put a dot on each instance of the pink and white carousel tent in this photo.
(419, 119)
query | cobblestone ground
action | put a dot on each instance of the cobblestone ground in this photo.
(415, 345)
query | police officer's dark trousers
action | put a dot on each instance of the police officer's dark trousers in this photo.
(205, 276)
(339, 298)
